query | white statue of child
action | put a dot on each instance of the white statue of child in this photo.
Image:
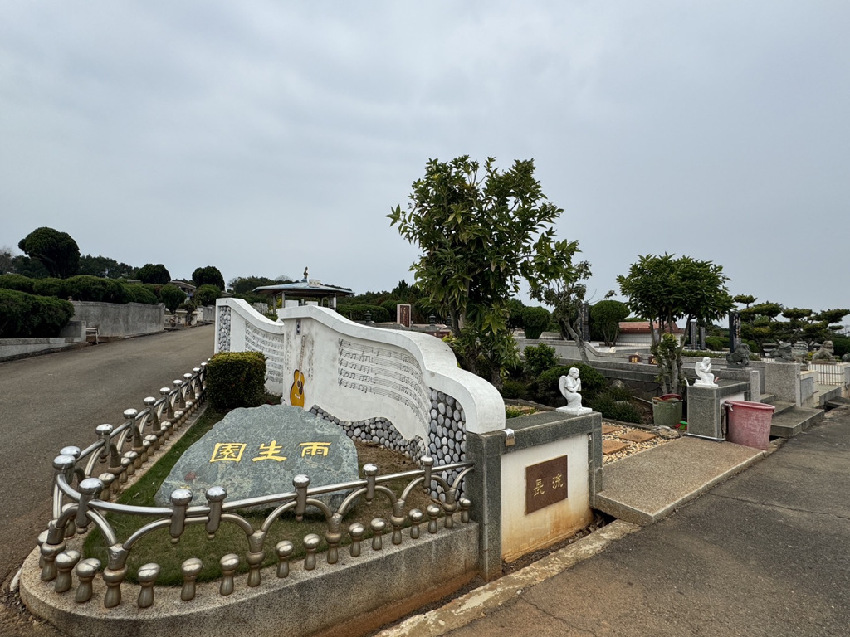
(570, 387)
(704, 376)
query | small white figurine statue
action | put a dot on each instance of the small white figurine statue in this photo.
(570, 387)
(704, 376)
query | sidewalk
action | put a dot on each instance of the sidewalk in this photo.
(764, 553)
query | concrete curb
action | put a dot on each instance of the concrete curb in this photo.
(475, 604)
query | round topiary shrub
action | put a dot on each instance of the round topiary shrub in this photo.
(236, 379)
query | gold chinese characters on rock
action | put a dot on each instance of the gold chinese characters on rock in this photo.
(545, 484)
(233, 451)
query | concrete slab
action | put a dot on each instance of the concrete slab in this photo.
(612, 446)
(637, 436)
(791, 422)
(648, 486)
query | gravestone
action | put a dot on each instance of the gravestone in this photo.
(257, 451)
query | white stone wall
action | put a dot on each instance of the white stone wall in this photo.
(358, 373)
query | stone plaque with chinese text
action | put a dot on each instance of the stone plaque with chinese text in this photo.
(545, 484)
(258, 451)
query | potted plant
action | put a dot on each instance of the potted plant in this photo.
(667, 408)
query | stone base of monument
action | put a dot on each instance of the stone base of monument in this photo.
(352, 597)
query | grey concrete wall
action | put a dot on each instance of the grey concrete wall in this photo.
(71, 335)
(120, 320)
(353, 597)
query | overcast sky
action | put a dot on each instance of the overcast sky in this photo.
(263, 138)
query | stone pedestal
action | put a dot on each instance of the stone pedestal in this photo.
(746, 375)
(783, 381)
(706, 415)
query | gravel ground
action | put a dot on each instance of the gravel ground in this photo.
(613, 431)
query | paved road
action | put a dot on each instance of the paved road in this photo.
(764, 554)
(47, 402)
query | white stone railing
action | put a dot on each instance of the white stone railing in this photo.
(315, 357)
(831, 373)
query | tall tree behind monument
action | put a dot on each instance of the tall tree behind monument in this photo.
(57, 251)
(481, 231)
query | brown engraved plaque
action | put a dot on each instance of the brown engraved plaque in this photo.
(545, 484)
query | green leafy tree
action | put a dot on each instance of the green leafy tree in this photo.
(744, 299)
(566, 294)
(154, 273)
(105, 267)
(57, 251)
(666, 289)
(207, 294)
(480, 232)
(23, 265)
(246, 284)
(208, 275)
(606, 316)
(7, 260)
(171, 296)
(759, 324)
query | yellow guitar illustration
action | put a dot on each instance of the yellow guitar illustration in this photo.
(296, 393)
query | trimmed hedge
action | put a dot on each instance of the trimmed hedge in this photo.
(236, 379)
(91, 288)
(25, 315)
(83, 288)
(17, 282)
(140, 293)
(50, 287)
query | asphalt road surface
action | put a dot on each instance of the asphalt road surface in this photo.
(50, 401)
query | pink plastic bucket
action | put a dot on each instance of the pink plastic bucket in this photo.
(748, 423)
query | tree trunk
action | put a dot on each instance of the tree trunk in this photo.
(576, 336)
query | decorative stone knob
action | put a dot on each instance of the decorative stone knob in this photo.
(433, 513)
(416, 517)
(356, 531)
(130, 414)
(311, 543)
(378, 526)
(465, 505)
(147, 576)
(284, 552)
(190, 569)
(216, 494)
(70, 450)
(229, 564)
(86, 571)
(63, 463)
(181, 497)
(65, 563)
